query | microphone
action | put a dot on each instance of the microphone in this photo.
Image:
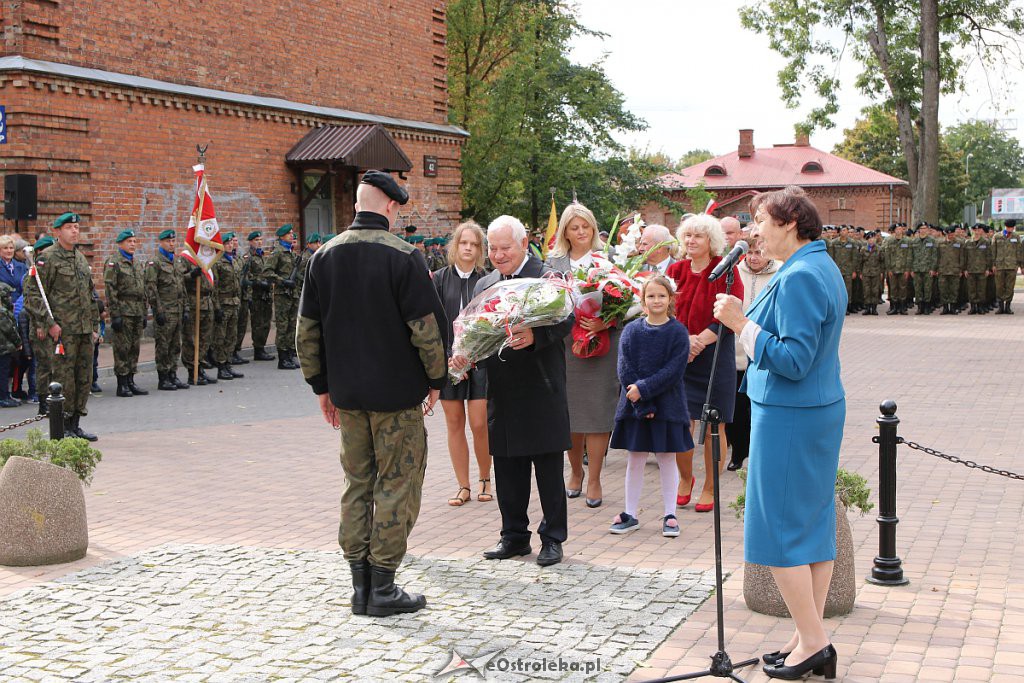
(726, 264)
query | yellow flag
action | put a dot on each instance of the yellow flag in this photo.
(549, 238)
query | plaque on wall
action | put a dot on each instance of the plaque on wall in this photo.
(429, 166)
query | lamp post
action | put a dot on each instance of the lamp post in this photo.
(967, 189)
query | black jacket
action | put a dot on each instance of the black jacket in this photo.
(527, 407)
(449, 288)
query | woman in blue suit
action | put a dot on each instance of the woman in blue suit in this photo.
(798, 408)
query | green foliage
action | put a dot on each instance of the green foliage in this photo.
(73, 454)
(997, 158)
(536, 119)
(851, 489)
(693, 157)
(699, 196)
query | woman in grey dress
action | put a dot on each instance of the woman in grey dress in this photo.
(592, 383)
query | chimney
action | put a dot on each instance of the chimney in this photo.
(746, 148)
(803, 139)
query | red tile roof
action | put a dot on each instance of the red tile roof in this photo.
(777, 167)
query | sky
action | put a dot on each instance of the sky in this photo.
(697, 77)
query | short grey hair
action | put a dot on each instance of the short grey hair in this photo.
(705, 224)
(659, 233)
(510, 222)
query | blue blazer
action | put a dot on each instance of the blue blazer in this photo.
(801, 314)
(20, 270)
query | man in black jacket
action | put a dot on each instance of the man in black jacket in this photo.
(371, 342)
(527, 410)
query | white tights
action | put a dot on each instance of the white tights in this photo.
(635, 481)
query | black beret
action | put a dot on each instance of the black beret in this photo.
(386, 184)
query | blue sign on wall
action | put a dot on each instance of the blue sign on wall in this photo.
(3, 125)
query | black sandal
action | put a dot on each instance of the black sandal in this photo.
(484, 496)
(458, 501)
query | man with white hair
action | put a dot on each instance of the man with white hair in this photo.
(733, 232)
(527, 409)
(661, 258)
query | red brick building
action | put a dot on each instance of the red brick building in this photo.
(106, 103)
(844, 192)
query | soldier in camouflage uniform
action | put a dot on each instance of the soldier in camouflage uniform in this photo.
(951, 268)
(281, 270)
(897, 251)
(978, 258)
(261, 307)
(10, 344)
(312, 244)
(1005, 257)
(42, 346)
(872, 266)
(208, 308)
(165, 291)
(924, 260)
(245, 279)
(846, 254)
(226, 272)
(371, 339)
(67, 282)
(124, 281)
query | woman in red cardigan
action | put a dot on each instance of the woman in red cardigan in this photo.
(702, 239)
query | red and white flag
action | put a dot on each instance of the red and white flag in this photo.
(203, 244)
(712, 205)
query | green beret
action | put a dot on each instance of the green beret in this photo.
(284, 230)
(314, 238)
(167, 234)
(42, 243)
(415, 239)
(227, 237)
(253, 235)
(123, 235)
(386, 184)
(68, 217)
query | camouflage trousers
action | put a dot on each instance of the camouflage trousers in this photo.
(384, 456)
(126, 345)
(168, 342)
(1005, 280)
(225, 333)
(899, 287)
(976, 287)
(949, 289)
(188, 340)
(243, 323)
(286, 310)
(43, 351)
(872, 287)
(923, 287)
(848, 281)
(74, 372)
(260, 313)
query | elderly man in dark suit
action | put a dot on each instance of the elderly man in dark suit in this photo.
(527, 411)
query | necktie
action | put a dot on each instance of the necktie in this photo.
(10, 267)
(465, 292)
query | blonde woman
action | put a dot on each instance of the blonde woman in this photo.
(455, 283)
(592, 383)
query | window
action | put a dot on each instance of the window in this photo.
(812, 167)
(715, 171)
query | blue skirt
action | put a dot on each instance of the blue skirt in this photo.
(652, 436)
(723, 384)
(790, 515)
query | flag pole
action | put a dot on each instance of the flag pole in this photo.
(197, 317)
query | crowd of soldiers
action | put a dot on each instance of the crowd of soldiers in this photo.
(948, 267)
(242, 291)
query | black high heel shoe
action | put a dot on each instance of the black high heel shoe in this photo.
(775, 658)
(821, 663)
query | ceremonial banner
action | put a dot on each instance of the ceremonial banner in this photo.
(549, 238)
(203, 244)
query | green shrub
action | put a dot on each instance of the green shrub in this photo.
(73, 454)
(851, 488)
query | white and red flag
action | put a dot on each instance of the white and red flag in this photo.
(203, 244)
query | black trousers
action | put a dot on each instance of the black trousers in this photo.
(738, 431)
(512, 486)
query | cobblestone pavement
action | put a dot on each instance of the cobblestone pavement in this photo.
(219, 613)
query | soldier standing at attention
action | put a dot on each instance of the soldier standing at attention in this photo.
(897, 263)
(208, 308)
(925, 260)
(281, 270)
(43, 346)
(124, 280)
(978, 256)
(871, 269)
(1005, 256)
(372, 343)
(261, 306)
(165, 290)
(225, 275)
(312, 244)
(846, 255)
(67, 280)
(950, 267)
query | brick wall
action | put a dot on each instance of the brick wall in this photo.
(361, 55)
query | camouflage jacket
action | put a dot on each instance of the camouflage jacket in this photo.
(165, 288)
(1005, 250)
(225, 277)
(952, 258)
(279, 268)
(207, 301)
(871, 261)
(926, 254)
(10, 337)
(125, 285)
(257, 262)
(67, 283)
(978, 256)
(846, 255)
(898, 254)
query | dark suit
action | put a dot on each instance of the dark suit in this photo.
(528, 424)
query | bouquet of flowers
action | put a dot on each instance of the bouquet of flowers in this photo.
(606, 293)
(484, 326)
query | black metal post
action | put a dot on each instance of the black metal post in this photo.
(888, 569)
(55, 409)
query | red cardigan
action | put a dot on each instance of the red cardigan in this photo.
(695, 296)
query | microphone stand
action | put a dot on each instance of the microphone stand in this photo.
(721, 664)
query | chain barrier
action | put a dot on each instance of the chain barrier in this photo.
(24, 422)
(959, 461)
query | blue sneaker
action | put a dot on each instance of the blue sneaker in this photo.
(668, 530)
(626, 524)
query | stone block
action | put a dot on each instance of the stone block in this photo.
(42, 514)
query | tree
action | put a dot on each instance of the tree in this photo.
(911, 52)
(997, 159)
(694, 157)
(536, 119)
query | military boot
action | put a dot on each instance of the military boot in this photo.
(165, 383)
(259, 353)
(203, 375)
(1008, 311)
(894, 308)
(387, 599)
(284, 361)
(234, 373)
(198, 381)
(136, 391)
(236, 359)
(867, 310)
(903, 307)
(1002, 308)
(360, 585)
(122, 386)
(224, 371)
(173, 376)
(77, 430)
(946, 309)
